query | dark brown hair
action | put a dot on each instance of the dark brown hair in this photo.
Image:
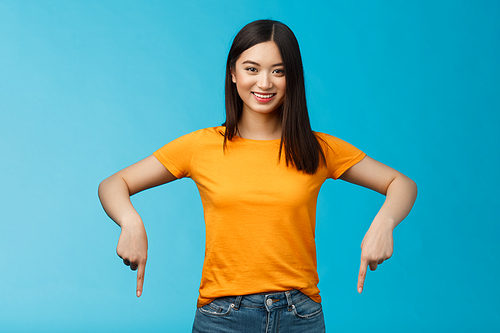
(298, 141)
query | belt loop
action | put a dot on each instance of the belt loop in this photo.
(289, 300)
(237, 302)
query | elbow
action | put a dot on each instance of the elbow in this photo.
(415, 188)
(112, 184)
(412, 187)
(405, 184)
(105, 185)
(102, 187)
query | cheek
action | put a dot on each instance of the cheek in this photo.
(243, 84)
(282, 86)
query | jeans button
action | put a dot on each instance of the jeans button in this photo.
(269, 302)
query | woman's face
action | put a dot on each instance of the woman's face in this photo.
(260, 78)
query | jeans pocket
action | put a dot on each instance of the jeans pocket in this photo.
(218, 307)
(306, 308)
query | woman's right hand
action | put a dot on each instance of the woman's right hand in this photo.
(133, 249)
(115, 192)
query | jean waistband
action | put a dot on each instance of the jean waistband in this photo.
(269, 300)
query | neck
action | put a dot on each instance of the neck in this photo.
(257, 126)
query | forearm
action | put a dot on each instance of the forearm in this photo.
(115, 199)
(400, 192)
(400, 196)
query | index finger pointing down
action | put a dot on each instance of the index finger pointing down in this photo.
(362, 275)
(141, 269)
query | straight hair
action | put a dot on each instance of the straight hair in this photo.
(301, 147)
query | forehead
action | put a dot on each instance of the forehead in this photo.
(262, 53)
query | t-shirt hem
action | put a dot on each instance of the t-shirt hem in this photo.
(168, 165)
(339, 172)
(205, 301)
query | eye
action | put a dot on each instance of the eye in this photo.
(251, 69)
(279, 71)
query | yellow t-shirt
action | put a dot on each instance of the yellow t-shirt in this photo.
(260, 215)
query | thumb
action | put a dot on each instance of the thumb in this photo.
(141, 269)
(361, 276)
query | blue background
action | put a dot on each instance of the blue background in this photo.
(90, 87)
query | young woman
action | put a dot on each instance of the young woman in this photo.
(259, 176)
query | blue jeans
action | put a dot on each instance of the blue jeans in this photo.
(285, 312)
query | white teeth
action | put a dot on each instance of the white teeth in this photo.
(263, 96)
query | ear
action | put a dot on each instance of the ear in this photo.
(233, 75)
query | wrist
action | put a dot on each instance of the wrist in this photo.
(131, 222)
(385, 223)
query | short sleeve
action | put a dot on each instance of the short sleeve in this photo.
(340, 155)
(176, 155)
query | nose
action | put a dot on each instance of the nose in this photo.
(264, 82)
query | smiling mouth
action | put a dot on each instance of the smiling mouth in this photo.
(263, 95)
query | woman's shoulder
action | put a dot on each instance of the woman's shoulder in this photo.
(327, 139)
(216, 131)
(330, 142)
(191, 141)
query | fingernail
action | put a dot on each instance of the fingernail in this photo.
(139, 293)
(360, 290)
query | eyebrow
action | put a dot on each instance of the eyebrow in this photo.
(257, 64)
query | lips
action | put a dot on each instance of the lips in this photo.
(263, 98)
(263, 95)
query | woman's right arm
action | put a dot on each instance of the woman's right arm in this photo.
(115, 192)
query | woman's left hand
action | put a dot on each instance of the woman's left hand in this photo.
(400, 192)
(376, 247)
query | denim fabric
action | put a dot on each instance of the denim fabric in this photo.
(285, 312)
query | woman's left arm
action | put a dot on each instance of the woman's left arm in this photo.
(400, 192)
